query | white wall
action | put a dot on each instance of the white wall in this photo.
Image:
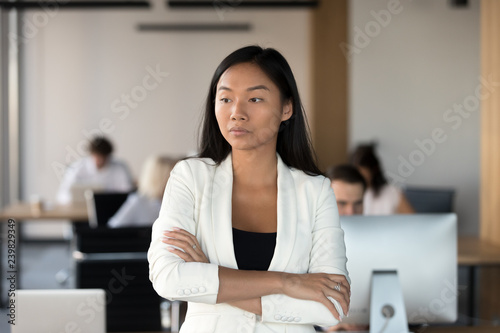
(78, 63)
(406, 73)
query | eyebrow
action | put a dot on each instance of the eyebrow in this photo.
(248, 89)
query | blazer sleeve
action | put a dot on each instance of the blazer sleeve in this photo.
(172, 277)
(328, 255)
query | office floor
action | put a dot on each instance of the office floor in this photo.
(42, 261)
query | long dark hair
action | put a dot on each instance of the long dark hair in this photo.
(364, 156)
(293, 144)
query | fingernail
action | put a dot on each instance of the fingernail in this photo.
(176, 229)
(164, 239)
(171, 249)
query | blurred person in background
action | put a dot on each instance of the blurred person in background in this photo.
(381, 198)
(143, 206)
(349, 187)
(99, 170)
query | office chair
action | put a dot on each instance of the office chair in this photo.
(115, 260)
(105, 257)
(132, 304)
(430, 200)
(101, 206)
(106, 240)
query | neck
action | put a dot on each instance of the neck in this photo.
(255, 168)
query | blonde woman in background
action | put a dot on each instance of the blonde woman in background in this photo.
(143, 207)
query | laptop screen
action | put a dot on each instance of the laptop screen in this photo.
(59, 311)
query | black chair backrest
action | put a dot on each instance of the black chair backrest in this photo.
(430, 200)
(132, 304)
(106, 240)
(106, 204)
(115, 260)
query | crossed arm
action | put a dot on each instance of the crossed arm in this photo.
(244, 289)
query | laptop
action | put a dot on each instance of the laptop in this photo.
(101, 206)
(78, 190)
(59, 310)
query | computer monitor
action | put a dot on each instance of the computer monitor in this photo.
(430, 200)
(406, 264)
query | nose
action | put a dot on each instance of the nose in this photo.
(238, 112)
(348, 210)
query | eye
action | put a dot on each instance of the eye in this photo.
(255, 100)
(225, 100)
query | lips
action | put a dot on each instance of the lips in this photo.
(238, 130)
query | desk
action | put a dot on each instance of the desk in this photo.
(20, 212)
(455, 329)
(474, 253)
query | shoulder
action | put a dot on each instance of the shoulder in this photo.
(117, 163)
(310, 184)
(81, 163)
(301, 176)
(193, 171)
(389, 194)
(194, 165)
(391, 191)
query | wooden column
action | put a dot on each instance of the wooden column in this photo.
(329, 82)
(490, 122)
(489, 307)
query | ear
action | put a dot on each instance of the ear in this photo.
(287, 110)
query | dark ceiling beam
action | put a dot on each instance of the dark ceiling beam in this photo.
(242, 4)
(193, 27)
(74, 4)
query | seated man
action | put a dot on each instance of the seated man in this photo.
(99, 170)
(349, 187)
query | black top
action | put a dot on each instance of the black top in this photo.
(253, 250)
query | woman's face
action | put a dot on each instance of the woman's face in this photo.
(248, 108)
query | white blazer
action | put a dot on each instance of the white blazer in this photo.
(309, 240)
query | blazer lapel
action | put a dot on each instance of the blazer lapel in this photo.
(222, 191)
(287, 218)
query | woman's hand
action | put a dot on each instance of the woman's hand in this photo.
(318, 287)
(190, 250)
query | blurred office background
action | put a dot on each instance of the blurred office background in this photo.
(85, 71)
(398, 71)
